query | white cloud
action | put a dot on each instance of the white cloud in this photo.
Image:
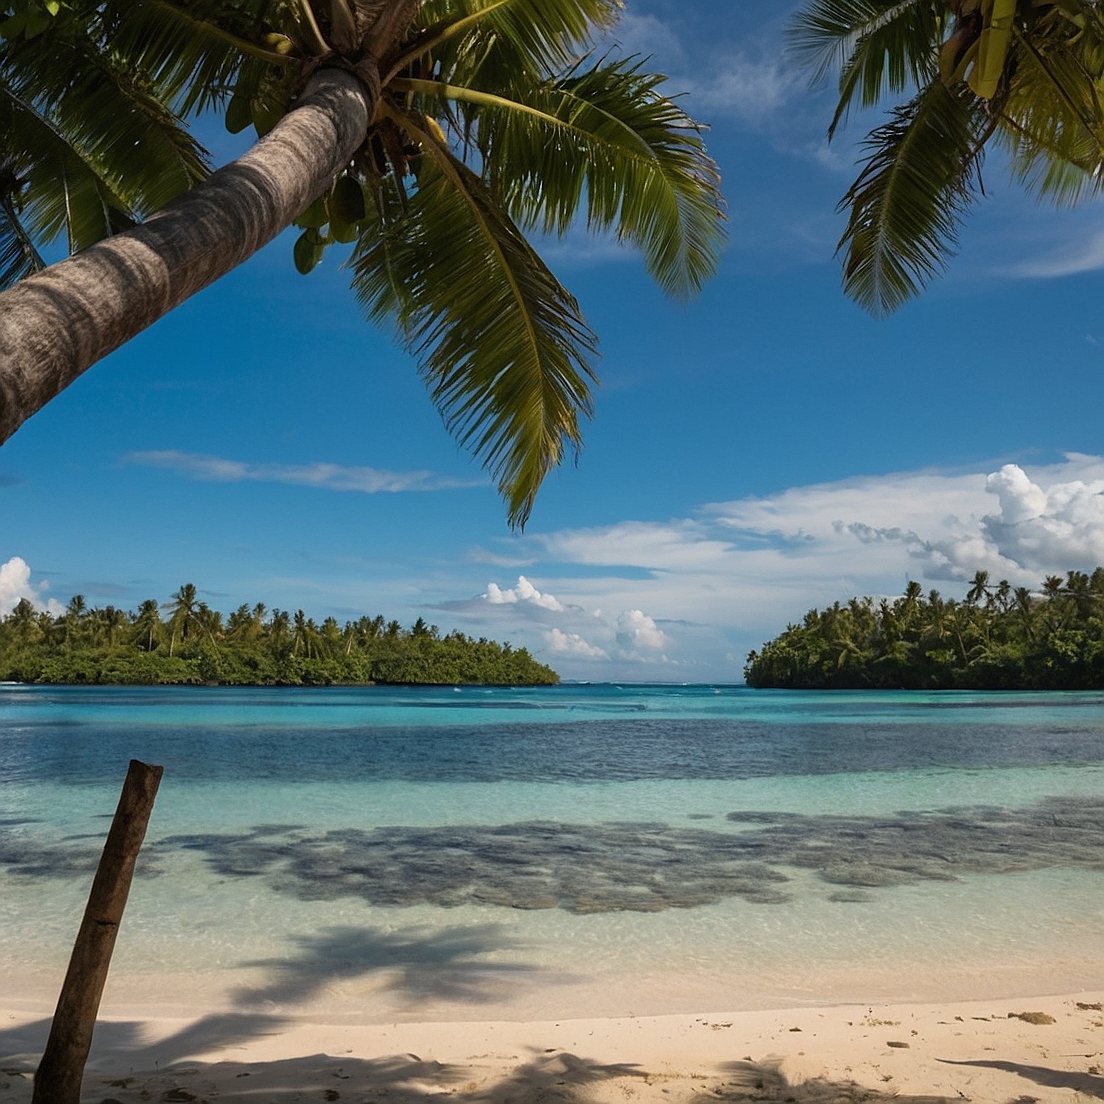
(523, 592)
(15, 585)
(1020, 499)
(331, 477)
(749, 86)
(1051, 529)
(572, 644)
(744, 88)
(579, 632)
(731, 576)
(649, 37)
(1085, 254)
(635, 629)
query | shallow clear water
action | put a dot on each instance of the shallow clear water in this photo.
(390, 853)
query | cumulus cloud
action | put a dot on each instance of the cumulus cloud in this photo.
(732, 575)
(15, 585)
(1047, 529)
(635, 629)
(572, 644)
(579, 631)
(330, 477)
(523, 592)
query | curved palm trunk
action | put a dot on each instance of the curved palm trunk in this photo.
(59, 322)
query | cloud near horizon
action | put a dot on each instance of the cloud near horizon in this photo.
(523, 592)
(15, 585)
(576, 632)
(330, 477)
(728, 578)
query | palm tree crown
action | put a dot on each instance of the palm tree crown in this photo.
(1027, 74)
(489, 119)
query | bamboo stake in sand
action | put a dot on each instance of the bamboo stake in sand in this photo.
(58, 1080)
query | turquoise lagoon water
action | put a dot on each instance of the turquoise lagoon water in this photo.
(387, 854)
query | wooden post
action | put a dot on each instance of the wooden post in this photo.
(58, 1080)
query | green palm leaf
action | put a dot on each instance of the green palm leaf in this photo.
(878, 45)
(18, 255)
(920, 175)
(196, 51)
(607, 140)
(491, 43)
(104, 108)
(500, 342)
(1052, 119)
(63, 192)
(92, 145)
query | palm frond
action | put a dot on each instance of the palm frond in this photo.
(18, 255)
(63, 191)
(1053, 121)
(605, 139)
(196, 51)
(501, 344)
(104, 108)
(551, 33)
(500, 44)
(919, 177)
(878, 46)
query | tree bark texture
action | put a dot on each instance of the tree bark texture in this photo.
(58, 1079)
(58, 323)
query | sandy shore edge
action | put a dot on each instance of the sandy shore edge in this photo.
(1028, 1049)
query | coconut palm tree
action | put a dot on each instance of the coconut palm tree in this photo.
(428, 134)
(147, 623)
(1022, 73)
(76, 612)
(183, 610)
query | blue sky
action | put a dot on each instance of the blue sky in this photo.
(763, 449)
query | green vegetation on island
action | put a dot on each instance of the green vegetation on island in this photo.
(997, 638)
(194, 644)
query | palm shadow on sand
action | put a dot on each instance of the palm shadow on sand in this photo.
(765, 1081)
(1087, 1084)
(449, 964)
(409, 1079)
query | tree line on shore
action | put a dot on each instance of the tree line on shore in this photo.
(997, 638)
(195, 644)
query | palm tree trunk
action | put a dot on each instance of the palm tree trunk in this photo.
(58, 323)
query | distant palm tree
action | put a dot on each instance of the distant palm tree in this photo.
(25, 619)
(112, 621)
(148, 622)
(1025, 74)
(279, 629)
(300, 634)
(239, 625)
(208, 621)
(429, 134)
(183, 614)
(75, 612)
(979, 588)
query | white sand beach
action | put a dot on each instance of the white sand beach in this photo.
(1047, 1048)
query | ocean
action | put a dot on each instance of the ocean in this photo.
(384, 854)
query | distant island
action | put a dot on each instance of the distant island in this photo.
(194, 644)
(997, 638)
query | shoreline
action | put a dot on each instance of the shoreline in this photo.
(979, 1050)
